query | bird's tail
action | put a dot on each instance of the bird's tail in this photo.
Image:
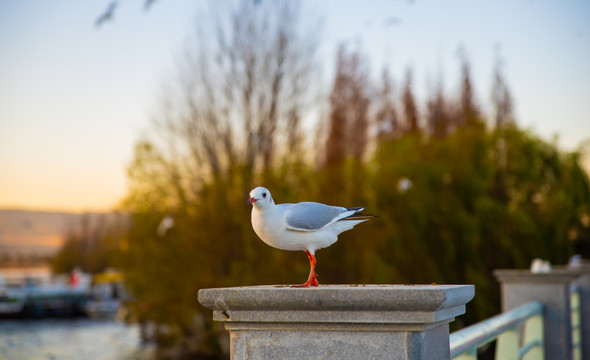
(348, 224)
(358, 215)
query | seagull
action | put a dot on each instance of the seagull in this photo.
(306, 226)
(148, 4)
(107, 15)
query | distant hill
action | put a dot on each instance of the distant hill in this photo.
(40, 233)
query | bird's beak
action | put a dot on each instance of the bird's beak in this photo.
(252, 200)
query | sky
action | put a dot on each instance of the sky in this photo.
(75, 98)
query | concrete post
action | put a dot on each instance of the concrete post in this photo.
(552, 289)
(338, 321)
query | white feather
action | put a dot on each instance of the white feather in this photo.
(271, 223)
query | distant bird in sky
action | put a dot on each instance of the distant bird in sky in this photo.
(107, 15)
(148, 4)
(305, 226)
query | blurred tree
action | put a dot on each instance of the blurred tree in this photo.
(91, 244)
(444, 223)
(439, 114)
(501, 98)
(456, 198)
(411, 115)
(470, 112)
(241, 88)
(231, 117)
(386, 116)
(349, 106)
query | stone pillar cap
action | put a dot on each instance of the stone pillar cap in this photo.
(581, 269)
(555, 276)
(339, 303)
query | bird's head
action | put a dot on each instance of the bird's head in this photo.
(260, 197)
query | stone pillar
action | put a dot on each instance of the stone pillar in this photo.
(552, 289)
(338, 321)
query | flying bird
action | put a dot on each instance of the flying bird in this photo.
(306, 226)
(107, 15)
(148, 4)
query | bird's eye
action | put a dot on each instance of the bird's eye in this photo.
(263, 195)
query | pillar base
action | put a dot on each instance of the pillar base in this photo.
(338, 321)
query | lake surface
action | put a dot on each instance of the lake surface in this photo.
(57, 339)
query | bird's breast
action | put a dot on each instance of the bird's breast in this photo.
(264, 225)
(270, 227)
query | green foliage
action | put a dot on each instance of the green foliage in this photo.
(480, 200)
(451, 210)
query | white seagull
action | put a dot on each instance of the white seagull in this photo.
(306, 226)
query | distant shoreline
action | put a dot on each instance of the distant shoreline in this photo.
(31, 237)
(10, 272)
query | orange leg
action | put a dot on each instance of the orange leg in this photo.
(312, 279)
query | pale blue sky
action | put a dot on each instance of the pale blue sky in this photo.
(74, 99)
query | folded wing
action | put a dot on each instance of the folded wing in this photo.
(312, 216)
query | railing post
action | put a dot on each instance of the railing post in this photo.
(583, 284)
(533, 332)
(576, 323)
(338, 321)
(508, 345)
(552, 289)
(506, 328)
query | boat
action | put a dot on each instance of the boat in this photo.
(108, 293)
(28, 294)
(12, 301)
(64, 295)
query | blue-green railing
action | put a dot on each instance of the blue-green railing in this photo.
(518, 331)
(576, 322)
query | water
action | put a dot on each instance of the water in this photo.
(57, 339)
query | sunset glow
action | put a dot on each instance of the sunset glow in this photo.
(75, 98)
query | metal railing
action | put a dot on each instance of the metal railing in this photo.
(518, 332)
(576, 321)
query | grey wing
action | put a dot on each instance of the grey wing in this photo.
(310, 216)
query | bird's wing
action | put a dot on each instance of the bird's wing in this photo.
(107, 15)
(311, 216)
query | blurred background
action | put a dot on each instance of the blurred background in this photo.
(131, 132)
